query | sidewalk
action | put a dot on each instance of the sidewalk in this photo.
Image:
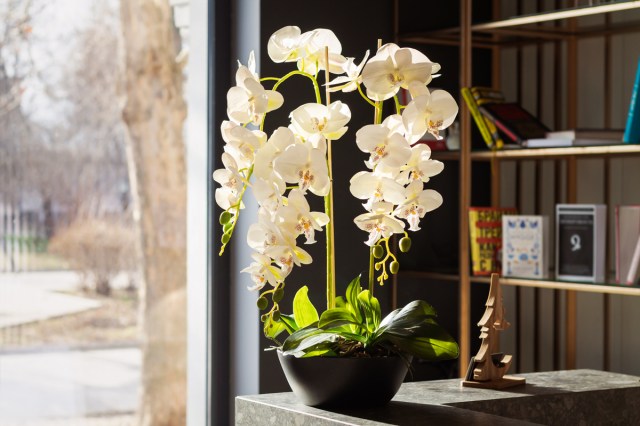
(48, 387)
(36, 296)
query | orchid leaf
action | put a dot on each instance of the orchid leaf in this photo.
(273, 328)
(353, 289)
(337, 317)
(439, 346)
(303, 310)
(289, 322)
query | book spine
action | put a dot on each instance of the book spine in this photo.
(501, 126)
(633, 268)
(482, 96)
(477, 116)
(632, 130)
(618, 244)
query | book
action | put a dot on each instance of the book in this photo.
(627, 228)
(577, 137)
(485, 233)
(632, 130)
(525, 246)
(580, 242)
(477, 117)
(515, 122)
(485, 95)
(632, 275)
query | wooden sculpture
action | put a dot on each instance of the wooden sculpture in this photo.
(488, 368)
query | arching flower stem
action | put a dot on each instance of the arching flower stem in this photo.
(236, 207)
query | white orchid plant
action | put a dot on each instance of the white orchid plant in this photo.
(283, 168)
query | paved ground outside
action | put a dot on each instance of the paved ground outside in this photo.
(35, 296)
(51, 387)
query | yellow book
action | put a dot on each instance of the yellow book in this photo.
(477, 116)
(485, 234)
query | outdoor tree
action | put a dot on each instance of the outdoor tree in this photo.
(154, 113)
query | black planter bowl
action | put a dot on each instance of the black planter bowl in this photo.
(335, 382)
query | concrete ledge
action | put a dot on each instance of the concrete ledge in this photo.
(560, 397)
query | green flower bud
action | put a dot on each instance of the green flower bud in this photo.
(278, 295)
(264, 317)
(225, 217)
(378, 251)
(275, 315)
(226, 228)
(377, 266)
(225, 238)
(405, 244)
(262, 303)
(394, 267)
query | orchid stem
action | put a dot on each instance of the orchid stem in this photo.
(316, 88)
(371, 272)
(328, 206)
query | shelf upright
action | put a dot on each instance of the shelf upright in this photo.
(465, 188)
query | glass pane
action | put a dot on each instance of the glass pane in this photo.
(89, 327)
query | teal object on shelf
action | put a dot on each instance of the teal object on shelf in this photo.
(632, 131)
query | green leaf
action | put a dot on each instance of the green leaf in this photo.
(353, 289)
(273, 328)
(303, 310)
(337, 317)
(370, 308)
(408, 319)
(289, 322)
(312, 342)
(319, 352)
(340, 302)
(294, 339)
(439, 346)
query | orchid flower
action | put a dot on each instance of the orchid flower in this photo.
(241, 142)
(420, 166)
(317, 122)
(384, 145)
(373, 188)
(248, 101)
(268, 194)
(287, 44)
(314, 56)
(417, 203)
(379, 223)
(392, 68)
(298, 213)
(428, 112)
(262, 272)
(305, 166)
(349, 82)
(279, 141)
(231, 180)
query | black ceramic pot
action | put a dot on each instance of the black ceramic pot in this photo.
(353, 382)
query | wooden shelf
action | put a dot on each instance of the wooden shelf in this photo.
(525, 29)
(522, 282)
(520, 154)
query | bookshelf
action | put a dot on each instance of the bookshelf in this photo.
(560, 27)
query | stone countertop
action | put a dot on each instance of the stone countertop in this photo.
(558, 397)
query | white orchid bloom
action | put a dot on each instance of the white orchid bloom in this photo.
(231, 180)
(248, 101)
(244, 142)
(429, 112)
(306, 166)
(287, 44)
(379, 223)
(373, 188)
(313, 59)
(305, 221)
(265, 233)
(392, 68)
(317, 122)
(349, 82)
(262, 272)
(417, 204)
(420, 166)
(268, 193)
(279, 141)
(385, 146)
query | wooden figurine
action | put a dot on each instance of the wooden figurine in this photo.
(488, 368)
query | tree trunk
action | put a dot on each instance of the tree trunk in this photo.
(154, 113)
